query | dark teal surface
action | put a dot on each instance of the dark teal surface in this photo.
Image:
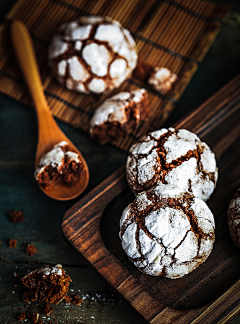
(43, 216)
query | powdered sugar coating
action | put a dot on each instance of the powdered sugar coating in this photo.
(167, 232)
(54, 157)
(47, 271)
(162, 80)
(104, 54)
(233, 218)
(175, 157)
(113, 108)
(122, 111)
(59, 159)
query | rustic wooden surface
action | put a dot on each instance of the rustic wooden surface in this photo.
(43, 217)
(175, 34)
(92, 226)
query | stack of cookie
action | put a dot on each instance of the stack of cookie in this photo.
(168, 230)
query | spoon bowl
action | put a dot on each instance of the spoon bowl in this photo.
(49, 133)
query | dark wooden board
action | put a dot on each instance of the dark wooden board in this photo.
(175, 34)
(211, 292)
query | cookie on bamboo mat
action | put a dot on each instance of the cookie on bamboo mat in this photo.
(233, 218)
(160, 79)
(119, 115)
(171, 156)
(92, 54)
(167, 232)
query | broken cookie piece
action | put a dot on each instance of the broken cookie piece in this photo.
(167, 232)
(176, 157)
(161, 79)
(118, 115)
(92, 54)
(49, 284)
(59, 165)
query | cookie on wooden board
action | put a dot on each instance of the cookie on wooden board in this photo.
(171, 156)
(167, 232)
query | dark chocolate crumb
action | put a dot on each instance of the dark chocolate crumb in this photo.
(31, 249)
(12, 243)
(16, 216)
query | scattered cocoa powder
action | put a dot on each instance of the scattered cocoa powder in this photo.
(12, 243)
(31, 249)
(16, 216)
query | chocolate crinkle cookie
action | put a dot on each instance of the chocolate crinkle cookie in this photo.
(167, 232)
(92, 54)
(233, 218)
(118, 115)
(176, 157)
(59, 165)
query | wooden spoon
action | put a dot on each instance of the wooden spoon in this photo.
(49, 133)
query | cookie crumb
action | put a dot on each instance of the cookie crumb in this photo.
(25, 298)
(48, 310)
(77, 300)
(34, 317)
(162, 80)
(21, 317)
(67, 299)
(16, 216)
(12, 243)
(31, 249)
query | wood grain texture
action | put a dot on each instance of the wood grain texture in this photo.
(211, 292)
(175, 34)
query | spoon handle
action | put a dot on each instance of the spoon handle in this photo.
(26, 55)
(48, 131)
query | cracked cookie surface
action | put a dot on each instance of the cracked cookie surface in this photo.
(167, 232)
(170, 156)
(92, 54)
(233, 218)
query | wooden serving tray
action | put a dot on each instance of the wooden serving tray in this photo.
(211, 293)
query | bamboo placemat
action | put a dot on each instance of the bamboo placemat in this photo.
(172, 33)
